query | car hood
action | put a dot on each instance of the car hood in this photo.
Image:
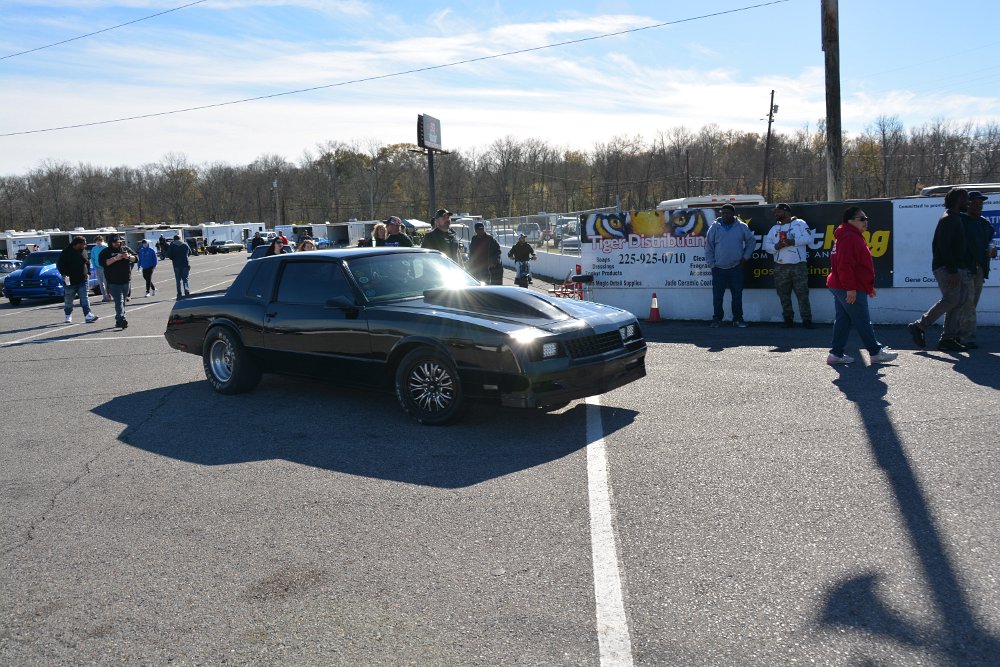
(32, 272)
(508, 308)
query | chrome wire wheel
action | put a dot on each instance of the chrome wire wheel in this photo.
(220, 359)
(431, 386)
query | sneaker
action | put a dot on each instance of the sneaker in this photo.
(147, 293)
(187, 292)
(90, 318)
(788, 324)
(833, 359)
(970, 345)
(154, 292)
(741, 324)
(124, 324)
(884, 356)
(917, 334)
(950, 345)
(69, 319)
(715, 324)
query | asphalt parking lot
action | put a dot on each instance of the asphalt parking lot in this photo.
(763, 508)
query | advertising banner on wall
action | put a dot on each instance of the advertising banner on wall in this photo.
(661, 249)
(916, 220)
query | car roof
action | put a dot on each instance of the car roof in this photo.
(351, 253)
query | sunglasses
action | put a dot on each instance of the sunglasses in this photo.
(862, 218)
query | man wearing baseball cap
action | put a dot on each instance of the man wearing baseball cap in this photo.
(117, 263)
(395, 236)
(982, 247)
(441, 238)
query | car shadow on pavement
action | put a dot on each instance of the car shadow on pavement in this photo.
(357, 433)
(855, 603)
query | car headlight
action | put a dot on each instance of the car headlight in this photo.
(528, 338)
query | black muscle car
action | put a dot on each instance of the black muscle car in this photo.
(411, 319)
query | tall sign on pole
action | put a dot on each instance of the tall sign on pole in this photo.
(429, 138)
(834, 148)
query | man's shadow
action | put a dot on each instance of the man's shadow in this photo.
(855, 601)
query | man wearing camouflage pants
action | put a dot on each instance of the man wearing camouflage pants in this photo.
(787, 241)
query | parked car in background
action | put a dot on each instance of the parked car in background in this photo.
(8, 266)
(570, 245)
(38, 278)
(220, 246)
(532, 231)
(411, 320)
(507, 237)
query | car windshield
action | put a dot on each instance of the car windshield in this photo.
(41, 258)
(406, 275)
(9, 267)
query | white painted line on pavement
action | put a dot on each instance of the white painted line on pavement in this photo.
(612, 625)
(41, 333)
(88, 339)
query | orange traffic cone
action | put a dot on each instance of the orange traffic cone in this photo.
(654, 310)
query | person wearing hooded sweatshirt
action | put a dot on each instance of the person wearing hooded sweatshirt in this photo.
(852, 282)
(147, 262)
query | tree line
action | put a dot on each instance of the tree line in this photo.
(337, 181)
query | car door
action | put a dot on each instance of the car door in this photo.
(313, 326)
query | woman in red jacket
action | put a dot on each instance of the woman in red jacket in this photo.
(852, 281)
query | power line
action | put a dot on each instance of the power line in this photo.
(98, 32)
(418, 70)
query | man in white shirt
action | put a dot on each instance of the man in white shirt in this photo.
(787, 241)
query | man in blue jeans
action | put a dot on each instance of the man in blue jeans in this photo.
(74, 266)
(178, 253)
(117, 263)
(728, 245)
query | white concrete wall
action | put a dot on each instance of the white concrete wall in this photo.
(892, 305)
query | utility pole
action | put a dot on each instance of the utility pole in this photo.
(834, 148)
(765, 185)
(277, 209)
(687, 172)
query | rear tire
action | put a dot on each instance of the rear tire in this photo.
(428, 387)
(228, 366)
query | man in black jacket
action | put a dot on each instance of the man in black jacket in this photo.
(442, 238)
(484, 257)
(74, 265)
(952, 264)
(117, 265)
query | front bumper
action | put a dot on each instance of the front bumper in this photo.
(576, 382)
(38, 292)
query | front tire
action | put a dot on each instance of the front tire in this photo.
(228, 366)
(14, 300)
(428, 387)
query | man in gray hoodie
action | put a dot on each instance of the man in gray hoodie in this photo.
(728, 245)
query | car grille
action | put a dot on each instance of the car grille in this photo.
(589, 346)
(28, 283)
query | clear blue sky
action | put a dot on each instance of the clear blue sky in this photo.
(919, 60)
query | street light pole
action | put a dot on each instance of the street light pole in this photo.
(765, 185)
(834, 148)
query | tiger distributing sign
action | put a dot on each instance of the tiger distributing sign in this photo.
(662, 249)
